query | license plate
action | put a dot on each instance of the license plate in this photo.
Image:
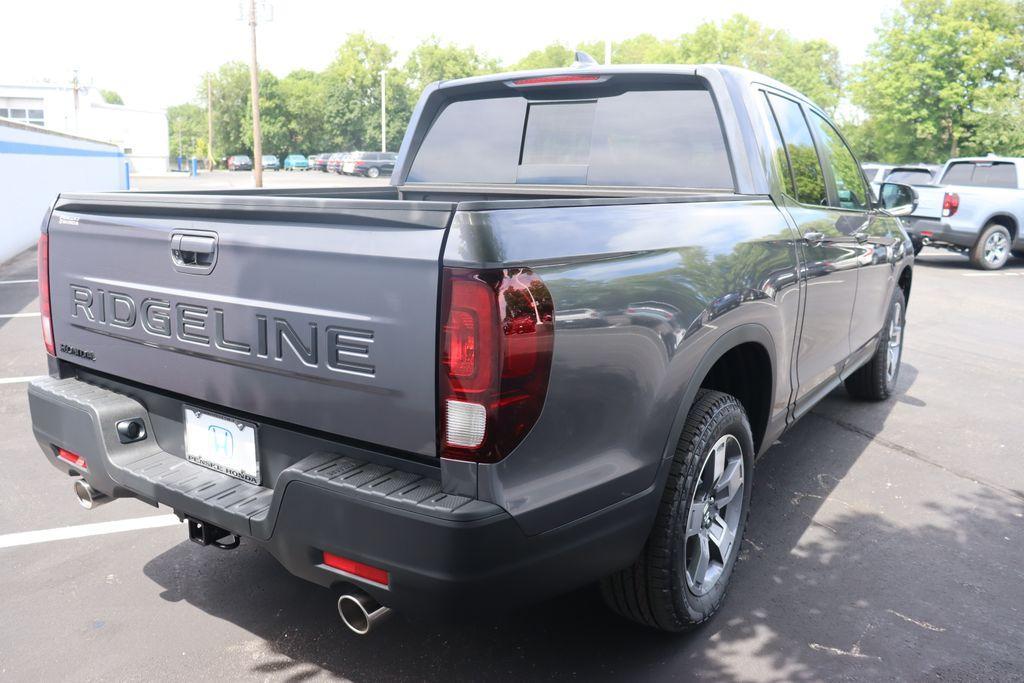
(224, 445)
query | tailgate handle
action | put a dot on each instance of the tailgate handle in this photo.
(193, 253)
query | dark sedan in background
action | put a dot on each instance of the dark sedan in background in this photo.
(369, 164)
(239, 162)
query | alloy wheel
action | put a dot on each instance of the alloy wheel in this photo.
(894, 343)
(996, 248)
(714, 515)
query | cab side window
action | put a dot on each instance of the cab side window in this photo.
(851, 192)
(803, 158)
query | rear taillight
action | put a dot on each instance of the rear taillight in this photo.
(495, 360)
(950, 203)
(44, 293)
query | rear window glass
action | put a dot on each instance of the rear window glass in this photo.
(981, 174)
(910, 177)
(650, 138)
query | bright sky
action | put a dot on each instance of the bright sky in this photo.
(153, 53)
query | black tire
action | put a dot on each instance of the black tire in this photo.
(985, 254)
(918, 244)
(373, 172)
(656, 590)
(873, 381)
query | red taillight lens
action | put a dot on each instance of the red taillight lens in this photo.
(43, 256)
(72, 458)
(359, 569)
(552, 80)
(496, 347)
(950, 203)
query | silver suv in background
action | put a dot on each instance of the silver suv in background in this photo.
(976, 208)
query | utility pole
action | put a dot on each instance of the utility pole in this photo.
(383, 113)
(607, 51)
(254, 78)
(209, 122)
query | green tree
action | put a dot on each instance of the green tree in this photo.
(550, 57)
(111, 97)
(931, 72)
(997, 121)
(433, 61)
(186, 129)
(810, 66)
(274, 126)
(303, 98)
(230, 89)
(352, 95)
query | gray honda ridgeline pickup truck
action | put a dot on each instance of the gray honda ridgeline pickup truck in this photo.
(548, 354)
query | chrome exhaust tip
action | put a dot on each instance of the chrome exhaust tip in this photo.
(360, 612)
(88, 497)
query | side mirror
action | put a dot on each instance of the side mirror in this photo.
(897, 199)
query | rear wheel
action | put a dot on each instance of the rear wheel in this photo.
(992, 248)
(373, 172)
(680, 578)
(876, 380)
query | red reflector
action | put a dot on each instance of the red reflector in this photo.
(927, 233)
(548, 80)
(72, 458)
(359, 569)
(43, 256)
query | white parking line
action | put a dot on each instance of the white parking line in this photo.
(992, 274)
(20, 315)
(65, 532)
(17, 380)
(17, 282)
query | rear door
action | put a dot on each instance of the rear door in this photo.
(873, 236)
(829, 254)
(314, 312)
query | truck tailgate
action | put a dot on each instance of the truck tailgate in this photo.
(314, 312)
(929, 201)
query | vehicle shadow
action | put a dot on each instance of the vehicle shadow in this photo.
(826, 587)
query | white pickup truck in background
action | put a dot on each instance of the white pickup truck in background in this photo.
(976, 208)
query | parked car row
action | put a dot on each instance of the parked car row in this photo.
(369, 164)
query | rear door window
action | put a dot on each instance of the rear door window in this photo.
(651, 138)
(803, 157)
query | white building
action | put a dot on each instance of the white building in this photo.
(140, 133)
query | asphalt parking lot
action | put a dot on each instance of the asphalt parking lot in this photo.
(885, 542)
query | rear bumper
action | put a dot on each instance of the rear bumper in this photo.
(932, 230)
(445, 554)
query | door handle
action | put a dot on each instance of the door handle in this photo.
(814, 237)
(193, 253)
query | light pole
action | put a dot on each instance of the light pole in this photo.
(607, 51)
(383, 112)
(254, 86)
